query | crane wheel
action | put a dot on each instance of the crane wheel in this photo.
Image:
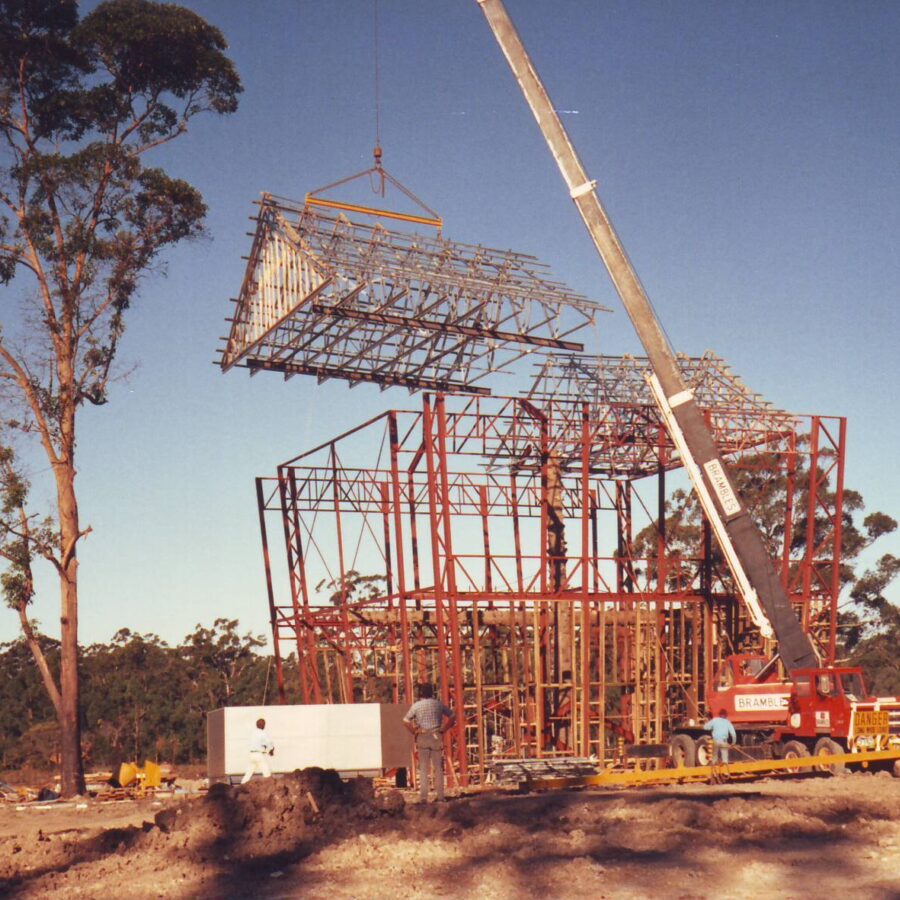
(794, 750)
(682, 751)
(827, 747)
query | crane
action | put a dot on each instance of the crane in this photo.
(742, 545)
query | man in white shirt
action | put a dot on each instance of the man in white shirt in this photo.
(261, 747)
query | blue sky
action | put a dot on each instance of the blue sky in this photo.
(748, 154)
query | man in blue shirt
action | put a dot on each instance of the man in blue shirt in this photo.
(722, 733)
(425, 720)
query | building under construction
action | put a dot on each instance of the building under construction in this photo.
(537, 556)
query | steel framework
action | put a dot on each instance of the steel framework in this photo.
(516, 552)
(326, 296)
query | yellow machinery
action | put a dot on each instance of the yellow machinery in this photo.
(141, 779)
(738, 770)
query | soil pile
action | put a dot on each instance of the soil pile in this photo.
(268, 822)
(270, 817)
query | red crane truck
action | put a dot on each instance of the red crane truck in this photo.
(820, 710)
(817, 709)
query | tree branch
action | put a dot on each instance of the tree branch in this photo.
(39, 658)
(11, 253)
(24, 598)
(69, 551)
(21, 377)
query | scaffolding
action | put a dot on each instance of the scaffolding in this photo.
(518, 553)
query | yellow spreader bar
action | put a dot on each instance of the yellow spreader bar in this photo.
(705, 773)
(374, 211)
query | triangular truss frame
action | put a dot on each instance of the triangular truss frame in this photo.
(326, 296)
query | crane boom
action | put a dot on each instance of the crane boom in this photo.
(740, 540)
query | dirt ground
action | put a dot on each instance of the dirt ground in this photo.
(309, 835)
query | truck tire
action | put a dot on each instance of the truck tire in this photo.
(826, 747)
(794, 750)
(703, 750)
(682, 751)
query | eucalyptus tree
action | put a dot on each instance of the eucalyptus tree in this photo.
(84, 102)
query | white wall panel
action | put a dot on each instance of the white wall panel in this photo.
(351, 738)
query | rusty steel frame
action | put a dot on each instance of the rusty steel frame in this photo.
(544, 648)
(326, 296)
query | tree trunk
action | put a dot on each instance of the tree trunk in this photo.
(72, 774)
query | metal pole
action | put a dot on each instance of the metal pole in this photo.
(401, 566)
(837, 541)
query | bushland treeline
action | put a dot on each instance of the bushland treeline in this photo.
(141, 698)
(145, 700)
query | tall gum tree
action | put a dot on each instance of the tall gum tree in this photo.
(82, 104)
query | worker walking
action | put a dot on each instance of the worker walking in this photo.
(261, 748)
(723, 733)
(427, 720)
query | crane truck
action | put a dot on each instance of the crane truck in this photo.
(814, 709)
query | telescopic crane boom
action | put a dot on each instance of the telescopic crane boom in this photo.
(740, 540)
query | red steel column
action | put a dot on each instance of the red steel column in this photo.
(585, 748)
(450, 570)
(345, 614)
(812, 503)
(442, 565)
(270, 592)
(401, 566)
(838, 538)
(790, 487)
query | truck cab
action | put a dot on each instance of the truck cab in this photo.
(815, 702)
(823, 702)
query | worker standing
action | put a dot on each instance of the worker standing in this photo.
(722, 733)
(261, 748)
(427, 720)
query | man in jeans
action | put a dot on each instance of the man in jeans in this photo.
(426, 722)
(722, 733)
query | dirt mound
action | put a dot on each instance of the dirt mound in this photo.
(308, 835)
(271, 816)
(271, 821)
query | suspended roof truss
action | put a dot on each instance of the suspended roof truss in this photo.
(325, 296)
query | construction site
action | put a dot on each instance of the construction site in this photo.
(514, 550)
(579, 553)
